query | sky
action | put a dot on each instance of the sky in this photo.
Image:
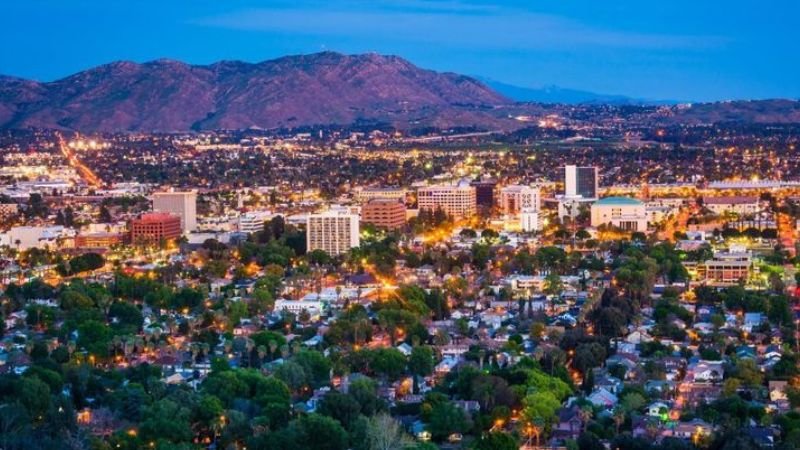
(698, 50)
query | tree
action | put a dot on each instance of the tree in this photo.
(420, 363)
(318, 432)
(541, 406)
(166, 420)
(496, 440)
(445, 419)
(389, 362)
(385, 433)
(341, 407)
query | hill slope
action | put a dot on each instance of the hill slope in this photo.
(322, 88)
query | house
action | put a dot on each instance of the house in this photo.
(687, 430)
(609, 383)
(404, 348)
(446, 365)
(777, 390)
(657, 409)
(603, 399)
(569, 424)
(705, 372)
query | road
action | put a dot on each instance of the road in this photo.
(86, 173)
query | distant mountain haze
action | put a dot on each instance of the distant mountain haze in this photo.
(318, 89)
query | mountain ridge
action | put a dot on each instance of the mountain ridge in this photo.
(320, 88)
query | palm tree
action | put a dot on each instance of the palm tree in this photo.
(619, 417)
(585, 415)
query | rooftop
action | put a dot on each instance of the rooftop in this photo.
(618, 201)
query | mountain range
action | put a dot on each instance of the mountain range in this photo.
(318, 89)
(559, 95)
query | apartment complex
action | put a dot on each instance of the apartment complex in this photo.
(181, 204)
(515, 198)
(153, 227)
(457, 201)
(333, 231)
(385, 213)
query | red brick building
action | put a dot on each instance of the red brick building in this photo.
(385, 213)
(153, 227)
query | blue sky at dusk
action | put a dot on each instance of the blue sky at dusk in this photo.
(676, 49)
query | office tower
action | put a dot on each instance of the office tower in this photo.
(334, 231)
(580, 181)
(515, 198)
(457, 201)
(484, 193)
(385, 213)
(153, 227)
(182, 204)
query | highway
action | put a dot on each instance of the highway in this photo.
(85, 172)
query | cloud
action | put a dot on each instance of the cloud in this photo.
(448, 23)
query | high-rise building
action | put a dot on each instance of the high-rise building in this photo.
(182, 204)
(333, 231)
(153, 227)
(384, 212)
(515, 198)
(484, 193)
(581, 181)
(457, 201)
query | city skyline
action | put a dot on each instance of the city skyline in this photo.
(671, 52)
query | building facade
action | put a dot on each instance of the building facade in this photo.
(628, 214)
(457, 201)
(384, 213)
(581, 181)
(333, 231)
(515, 198)
(153, 227)
(181, 204)
(253, 221)
(484, 193)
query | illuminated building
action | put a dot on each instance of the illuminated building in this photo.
(515, 198)
(530, 219)
(484, 192)
(367, 194)
(626, 213)
(581, 181)
(333, 231)
(385, 213)
(457, 201)
(153, 227)
(100, 240)
(253, 221)
(742, 205)
(181, 204)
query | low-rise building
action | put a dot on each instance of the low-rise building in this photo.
(626, 213)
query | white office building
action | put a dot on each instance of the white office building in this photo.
(531, 220)
(515, 198)
(334, 231)
(253, 221)
(181, 204)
